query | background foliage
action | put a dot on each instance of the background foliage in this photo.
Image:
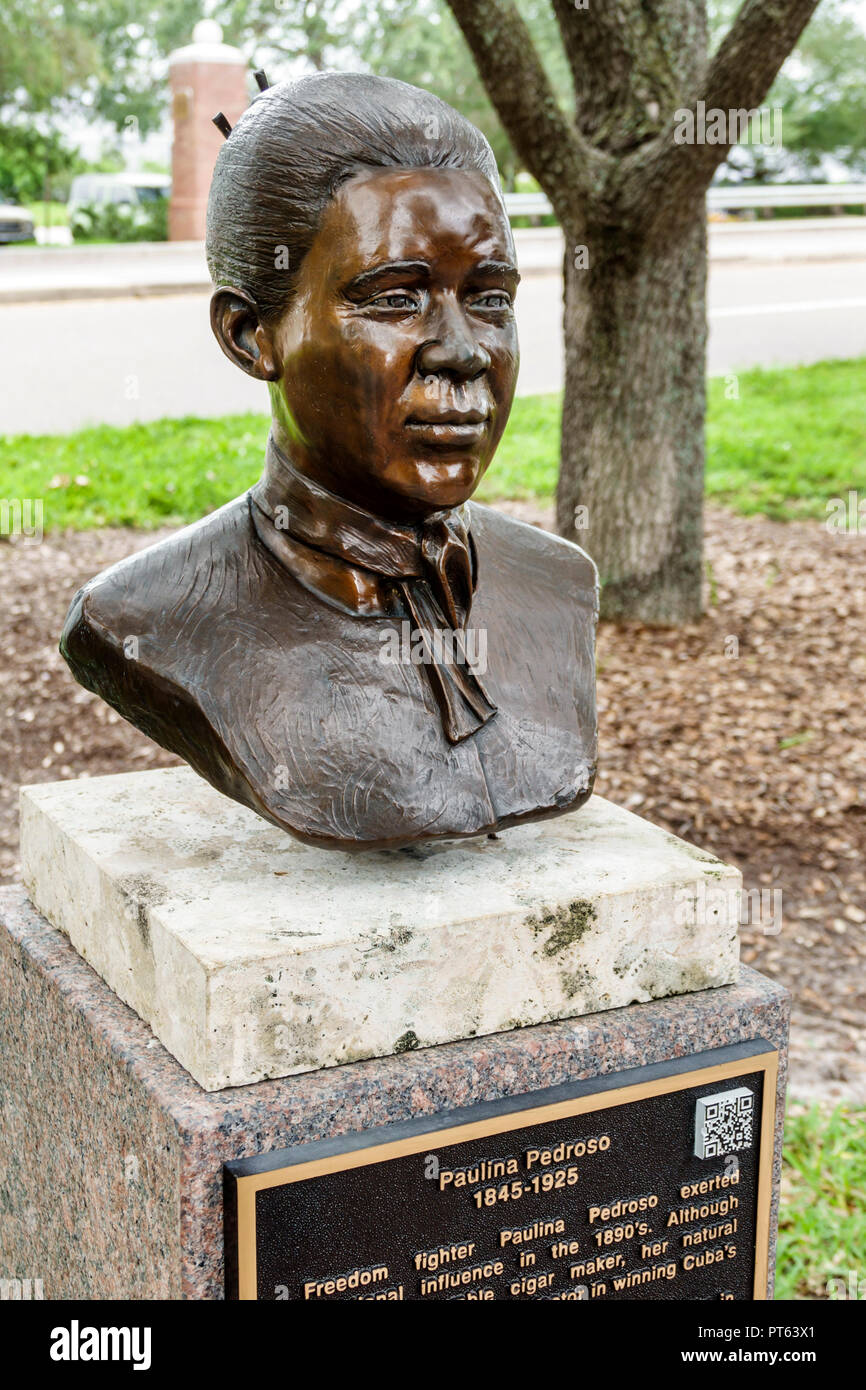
(106, 59)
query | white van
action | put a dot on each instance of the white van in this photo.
(130, 189)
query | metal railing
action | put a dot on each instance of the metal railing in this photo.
(724, 199)
(787, 195)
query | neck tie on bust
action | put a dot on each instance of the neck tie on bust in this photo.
(432, 564)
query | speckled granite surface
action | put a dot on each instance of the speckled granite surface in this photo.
(111, 1162)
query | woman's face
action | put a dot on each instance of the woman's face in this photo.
(398, 355)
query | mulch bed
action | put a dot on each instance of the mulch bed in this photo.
(745, 732)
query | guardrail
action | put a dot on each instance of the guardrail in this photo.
(729, 199)
(527, 205)
(787, 195)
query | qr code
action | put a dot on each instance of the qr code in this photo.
(723, 1123)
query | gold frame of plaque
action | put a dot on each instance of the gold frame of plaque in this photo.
(764, 1061)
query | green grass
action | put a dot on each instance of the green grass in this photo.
(822, 1227)
(794, 439)
(527, 460)
(790, 441)
(158, 474)
(173, 471)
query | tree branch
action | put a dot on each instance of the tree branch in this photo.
(554, 152)
(672, 169)
(749, 57)
(626, 66)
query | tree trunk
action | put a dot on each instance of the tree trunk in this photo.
(632, 468)
(630, 196)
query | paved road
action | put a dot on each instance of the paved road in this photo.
(64, 364)
(39, 273)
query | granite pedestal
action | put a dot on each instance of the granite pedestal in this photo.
(112, 1154)
(186, 986)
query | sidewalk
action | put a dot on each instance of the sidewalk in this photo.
(33, 273)
(40, 273)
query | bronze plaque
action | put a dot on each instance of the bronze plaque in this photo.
(652, 1183)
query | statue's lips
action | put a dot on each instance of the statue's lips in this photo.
(449, 429)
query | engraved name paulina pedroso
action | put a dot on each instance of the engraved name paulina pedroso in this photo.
(364, 268)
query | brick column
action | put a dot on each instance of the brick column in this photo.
(206, 77)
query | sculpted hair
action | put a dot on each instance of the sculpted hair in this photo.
(293, 148)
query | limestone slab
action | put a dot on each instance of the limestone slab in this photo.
(252, 955)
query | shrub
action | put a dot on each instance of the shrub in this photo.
(121, 221)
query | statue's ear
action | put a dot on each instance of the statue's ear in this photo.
(237, 326)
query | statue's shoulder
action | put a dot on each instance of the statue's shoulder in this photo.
(520, 551)
(138, 636)
(159, 583)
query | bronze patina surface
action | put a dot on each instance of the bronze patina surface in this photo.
(353, 648)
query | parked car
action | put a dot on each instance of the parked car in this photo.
(137, 195)
(16, 224)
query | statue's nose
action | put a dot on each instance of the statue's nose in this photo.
(455, 349)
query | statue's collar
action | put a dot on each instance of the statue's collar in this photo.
(308, 512)
(365, 564)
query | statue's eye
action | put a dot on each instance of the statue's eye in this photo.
(396, 299)
(494, 299)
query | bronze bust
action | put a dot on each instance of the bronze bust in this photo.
(353, 649)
